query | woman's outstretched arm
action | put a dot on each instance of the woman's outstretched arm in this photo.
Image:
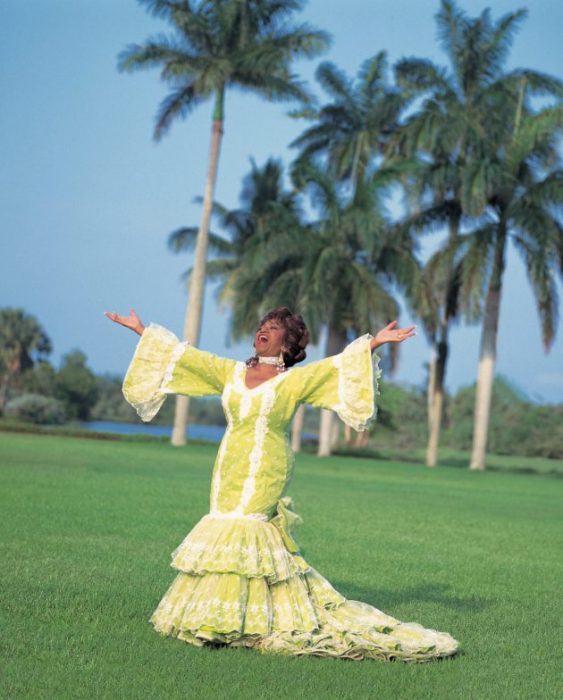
(132, 321)
(390, 334)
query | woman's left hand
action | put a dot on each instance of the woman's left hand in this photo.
(391, 334)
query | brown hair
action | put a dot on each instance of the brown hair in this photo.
(296, 335)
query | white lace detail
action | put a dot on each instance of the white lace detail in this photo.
(164, 332)
(216, 483)
(260, 432)
(148, 408)
(253, 551)
(240, 375)
(235, 514)
(351, 405)
(174, 357)
(245, 405)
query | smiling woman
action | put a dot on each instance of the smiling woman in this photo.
(279, 342)
(241, 579)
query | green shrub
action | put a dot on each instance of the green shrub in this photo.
(35, 408)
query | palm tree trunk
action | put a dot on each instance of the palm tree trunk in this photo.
(297, 428)
(335, 433)
(487, 357)
(325, 431)
(431, 384)
(4, 391)
(362, 439)
(440, 358)
(13, 371)
(336, 341)
(438, 399)
(194, 305)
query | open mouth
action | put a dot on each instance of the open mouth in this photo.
(262, 338)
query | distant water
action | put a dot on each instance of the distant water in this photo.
(212, 433)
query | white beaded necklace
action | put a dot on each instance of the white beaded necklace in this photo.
(268, 359)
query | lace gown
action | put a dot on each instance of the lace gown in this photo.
(240, 578)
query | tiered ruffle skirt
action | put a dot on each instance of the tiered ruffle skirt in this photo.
(242, 582)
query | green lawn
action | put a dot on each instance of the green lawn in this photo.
(87, 528)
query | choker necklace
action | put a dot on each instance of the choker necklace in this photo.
(268, 359)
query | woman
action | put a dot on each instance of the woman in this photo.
(241, 580)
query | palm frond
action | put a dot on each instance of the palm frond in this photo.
(178, 103)
(540, 269)
(334, 81)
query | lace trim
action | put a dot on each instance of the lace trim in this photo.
(260, 431)
(241, 374)
(217, 606)
(177, 353)
(172, 337)
(253, 551)
(245, 404)
(355, 410)
(148, 408)
(216, 483)
(234, 515)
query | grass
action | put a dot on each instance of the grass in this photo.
(87, 528)
(447, 457)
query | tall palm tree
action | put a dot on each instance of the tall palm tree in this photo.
(346, 141)
(454, 129)
(22, 342)
(352, 128)
(248, 240)
(524, 195)
(251, 243)
(342, 265)
(216, 45)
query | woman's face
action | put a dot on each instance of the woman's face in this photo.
(269, 338)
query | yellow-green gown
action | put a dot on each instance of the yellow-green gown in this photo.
(241, 579)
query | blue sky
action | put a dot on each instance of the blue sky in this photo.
(88, 199)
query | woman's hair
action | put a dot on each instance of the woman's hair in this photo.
(296, 335)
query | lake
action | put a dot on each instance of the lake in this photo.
(211, 433)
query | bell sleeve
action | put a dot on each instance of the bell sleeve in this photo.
(163, 365)
(347, 383)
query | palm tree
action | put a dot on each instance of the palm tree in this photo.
(342, 265)
(252, 241)
(249, 238)
(346, 141)
(22, 342)
(352, 129)
(218, 44)
(524, 194)
(454, 129)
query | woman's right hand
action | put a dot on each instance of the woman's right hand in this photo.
(132, 321)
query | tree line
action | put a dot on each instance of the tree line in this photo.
(33, 390)
(472, 147)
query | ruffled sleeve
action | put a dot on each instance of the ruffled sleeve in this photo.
(163, 365)
(347, 383)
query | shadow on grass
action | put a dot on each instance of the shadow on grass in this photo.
(426, 593)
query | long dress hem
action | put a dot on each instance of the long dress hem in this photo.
(239, 585)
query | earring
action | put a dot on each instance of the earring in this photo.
(281, 361)
(252, 361)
